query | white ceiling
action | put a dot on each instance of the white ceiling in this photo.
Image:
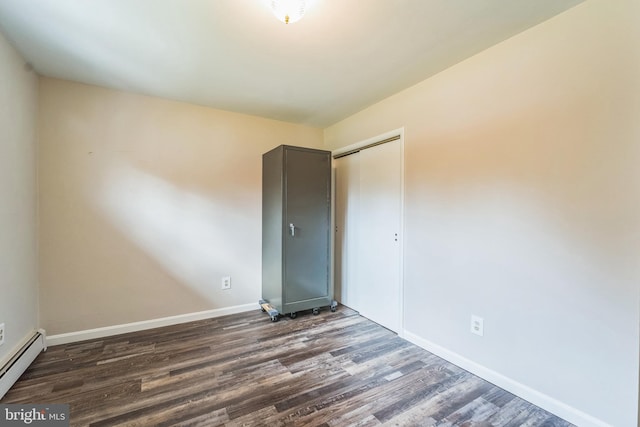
(343, 56)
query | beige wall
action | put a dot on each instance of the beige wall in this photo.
(522, 205)
(18, 227)
(146, 203)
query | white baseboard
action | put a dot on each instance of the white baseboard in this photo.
(21, 359)
(146, 324)
(542, 400)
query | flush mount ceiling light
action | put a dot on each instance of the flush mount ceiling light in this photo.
(288, 11)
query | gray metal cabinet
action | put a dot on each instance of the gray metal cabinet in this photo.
(296, 231)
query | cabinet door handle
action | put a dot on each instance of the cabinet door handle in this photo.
(292, 229)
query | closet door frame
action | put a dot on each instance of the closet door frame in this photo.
(369, 142)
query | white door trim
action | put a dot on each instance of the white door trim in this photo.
(372, 140)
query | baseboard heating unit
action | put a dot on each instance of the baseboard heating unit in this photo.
(11, 371)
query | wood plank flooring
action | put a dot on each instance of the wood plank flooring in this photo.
(334, 369)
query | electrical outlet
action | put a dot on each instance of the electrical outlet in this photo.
(226, 282)
(1, 333)
(477, 325)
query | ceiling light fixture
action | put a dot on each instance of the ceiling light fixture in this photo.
(288, 11)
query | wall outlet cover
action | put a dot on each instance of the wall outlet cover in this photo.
(477, 325)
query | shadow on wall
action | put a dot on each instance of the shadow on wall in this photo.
(181, 230)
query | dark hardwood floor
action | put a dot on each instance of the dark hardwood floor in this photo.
(334, 369)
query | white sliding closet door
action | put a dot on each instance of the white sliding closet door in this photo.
(368, 211)
(347, 208)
